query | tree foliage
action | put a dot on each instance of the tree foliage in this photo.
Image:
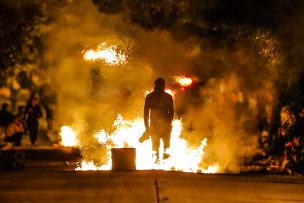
(19, 32)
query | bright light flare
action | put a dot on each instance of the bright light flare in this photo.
(110, 55)
(68, 136)
(184, 81)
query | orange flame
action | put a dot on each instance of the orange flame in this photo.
(109, 55)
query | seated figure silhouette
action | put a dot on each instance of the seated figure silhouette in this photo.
(158, 116)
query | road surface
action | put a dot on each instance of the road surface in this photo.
(147, 187)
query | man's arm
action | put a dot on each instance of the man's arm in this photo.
(146, 113)
(171, 109)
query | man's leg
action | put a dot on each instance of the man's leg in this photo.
(155, 145)
(32, 136)
(166, 136)
(33, 133)
(18, 137)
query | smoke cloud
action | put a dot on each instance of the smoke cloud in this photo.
(235, 74)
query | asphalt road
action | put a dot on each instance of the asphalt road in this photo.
(148, 186)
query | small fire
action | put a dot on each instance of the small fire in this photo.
(110, 55)
(183, 81)
(127, 134)
(68, 136)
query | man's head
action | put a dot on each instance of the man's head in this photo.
(4, 107)
(34, 101)
(159, 84)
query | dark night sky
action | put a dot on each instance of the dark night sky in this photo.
(269, 13)
(265, 13)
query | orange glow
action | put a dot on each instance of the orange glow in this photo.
(184, 81)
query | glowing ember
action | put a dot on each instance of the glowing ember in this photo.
(127, 134)
(68, 136)
(110, 55)
(183, 81)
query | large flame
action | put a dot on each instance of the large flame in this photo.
(109, 55)
(127, 133)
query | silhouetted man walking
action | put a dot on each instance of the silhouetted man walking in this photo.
(158, 116)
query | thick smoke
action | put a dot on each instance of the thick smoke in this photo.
(234, 75)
